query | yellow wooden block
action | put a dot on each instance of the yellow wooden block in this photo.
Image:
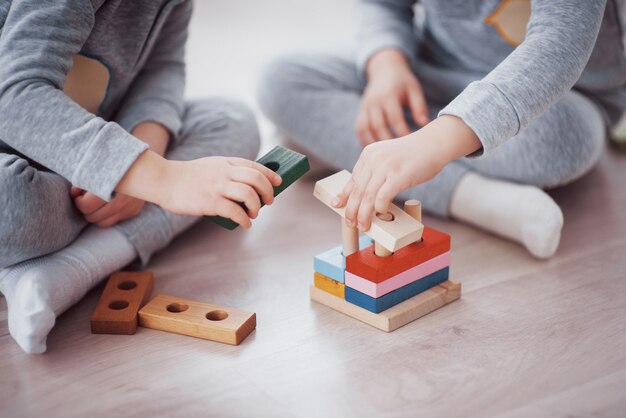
(329, 285)
(201, 320)
(398, 315)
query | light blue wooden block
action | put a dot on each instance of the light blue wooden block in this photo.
(332, 263)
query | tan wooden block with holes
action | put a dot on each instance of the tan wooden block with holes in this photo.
(124, 294)
(398, 315)
(392, 230)
(196, 319)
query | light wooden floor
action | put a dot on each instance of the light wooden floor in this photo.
(528, 338)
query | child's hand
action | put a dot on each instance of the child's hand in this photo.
(386, 168)
(207, 186)
(103, 213)
(391, 87)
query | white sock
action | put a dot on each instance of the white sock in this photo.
(521, 213)
(39, 290)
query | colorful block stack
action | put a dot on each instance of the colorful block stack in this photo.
(378, 283)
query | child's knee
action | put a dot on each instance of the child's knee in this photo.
(235, 122)
(582, 134)
(279, 81)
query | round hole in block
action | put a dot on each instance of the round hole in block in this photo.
(387, 217)
(177, 307)
(118, 305)
(127, 285)
(217, 315)
(272, 165)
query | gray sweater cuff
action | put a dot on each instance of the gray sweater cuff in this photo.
(102, 168)
(485, 109)
(154, 110)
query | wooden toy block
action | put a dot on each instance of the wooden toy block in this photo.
(390, 299)
(290, 165)
(329, 285)
(332, 263)
(124, 294)
(369, 266)
(414, 209)
(349, 239)
(196, 319)
(377, 290)
(399, 315)
(392, 234)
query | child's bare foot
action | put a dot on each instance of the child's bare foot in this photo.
(521, 213)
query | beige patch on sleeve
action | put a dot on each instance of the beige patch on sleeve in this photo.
(511, 19)
(87, 82)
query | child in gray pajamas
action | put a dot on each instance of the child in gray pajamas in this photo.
(90, 101)
(510, 97)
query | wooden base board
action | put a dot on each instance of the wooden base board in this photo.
(399, 315)
(123, 295)
(195, 319)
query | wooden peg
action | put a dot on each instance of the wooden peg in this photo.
(349, 238)
(414, 208)
(381, 251)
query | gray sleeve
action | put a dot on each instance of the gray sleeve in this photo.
(383, 24)
(559, 40)
(157, 92)
(38, 42)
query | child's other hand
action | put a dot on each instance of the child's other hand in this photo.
(103, 213)
(386, 168)
(391, 88)
(206, 186)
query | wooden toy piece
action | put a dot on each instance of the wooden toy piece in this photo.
(414, 209)
(329, 285)
(381, 251)
(123, 295)
(349, 239)
(401, 294)
(391, 234)
(332, 263)
(196, 319)
(290, 165)
(420, 271)
(367, 265)
(399, 315)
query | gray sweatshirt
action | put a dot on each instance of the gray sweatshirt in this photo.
(77, 75)
(498, 64)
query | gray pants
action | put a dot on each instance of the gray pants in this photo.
(315, 100)
(38, 217)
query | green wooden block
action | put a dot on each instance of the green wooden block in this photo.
(289, 165)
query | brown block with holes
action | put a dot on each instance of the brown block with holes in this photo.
(124, 294)
(201, 320)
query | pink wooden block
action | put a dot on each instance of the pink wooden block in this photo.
(376, 290)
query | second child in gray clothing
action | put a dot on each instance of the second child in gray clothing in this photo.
(511, 96)
(91, 98)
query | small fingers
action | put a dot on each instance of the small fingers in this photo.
(273, 178)
(108, 222)
(378, 124)
(245, 194)
(355, 197)
(88, 203)
(418, 106)
(366, 208)
(363, 129)
(395, 116)
(255, 179)
(76, 191)
(342, 198)
(229, 209)
(386, 193)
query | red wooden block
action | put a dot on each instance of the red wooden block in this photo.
(124, 294)
(376, 269)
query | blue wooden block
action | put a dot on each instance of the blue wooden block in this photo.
(384, 302)
(332, 263)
